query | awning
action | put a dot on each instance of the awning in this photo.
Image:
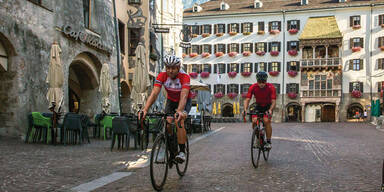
(320, 28)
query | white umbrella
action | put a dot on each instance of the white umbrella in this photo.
(55, 79)
(105, 88)
(195, 85)
(141, 80)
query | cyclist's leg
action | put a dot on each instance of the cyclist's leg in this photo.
(169, 109)
(267, 122)
(181, 132)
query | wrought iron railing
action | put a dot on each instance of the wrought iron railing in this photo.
(321, 62)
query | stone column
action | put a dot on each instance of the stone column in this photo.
(337, 116)
(313, 52)
(302, 112)
(326, 51)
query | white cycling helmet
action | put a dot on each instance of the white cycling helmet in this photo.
(172, 60)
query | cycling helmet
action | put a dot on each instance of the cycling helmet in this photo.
(261, 76)
(171, 61)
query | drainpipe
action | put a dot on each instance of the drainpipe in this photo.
(283, 69)
(370, 54)
(118, 56)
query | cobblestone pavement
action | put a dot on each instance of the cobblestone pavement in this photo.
(305, 157)
(41, 167)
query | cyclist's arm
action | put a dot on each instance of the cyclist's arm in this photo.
(183, 99)
(152, 98)
(273, 105)
(246, 103)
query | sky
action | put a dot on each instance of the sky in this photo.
(189, 3)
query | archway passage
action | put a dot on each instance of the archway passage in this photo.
(355, 111)
(83, 84)
(125, 97)
(227, 110)
(293, 112)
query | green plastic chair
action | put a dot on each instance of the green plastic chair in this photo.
(107, 124)
(40, 122)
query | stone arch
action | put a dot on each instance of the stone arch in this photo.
(125, 97)
(352, 109)
(83, 83)
(227, 110)
(293, 112)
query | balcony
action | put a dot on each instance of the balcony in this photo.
(321, 93)
(320, 63)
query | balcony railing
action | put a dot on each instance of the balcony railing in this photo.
(321, 62)
(321, 93)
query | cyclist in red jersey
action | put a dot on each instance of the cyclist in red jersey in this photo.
(177, 85)
(265, 95)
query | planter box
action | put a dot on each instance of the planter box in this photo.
(219, 34)
(292, 95)
(292, 73)
(204, 74)
(246, 53)
(204, 35)
(274, 53)
(244, 95)
(382, 48)
(192, 54)
(274, 32)
(292, 52)
(204, 55)
(193, 75)
(356, 94)
(356, 49)
(246, 74)
(232, 74)
(260, 32)
(232, 33)
(232, 54)
(293, 31)
(194, 35)
(184, 55)
(260, 53)
(219, 54)
(246, 33)
(274, 73)
(232, 95)
(356, 26)
(219, 95)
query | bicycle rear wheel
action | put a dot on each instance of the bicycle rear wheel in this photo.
(159, 163)
(182, 167)
(255, 149)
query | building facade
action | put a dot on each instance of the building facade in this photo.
(324, 57)
(84, 31)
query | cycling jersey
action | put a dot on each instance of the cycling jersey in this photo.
(263, 96)
(174, 86)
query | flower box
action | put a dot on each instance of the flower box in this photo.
(292, 73)
(232, 95)
(232, 33)
(193, 75)
(246, 33)
(244, 95)
(274, 73)
(192, 54)
(204, 35)
(292, 95)
(292, 52)
(274, 53)
(184, 55)
(260, 53)
(194, 35)
(193, 94)
(232, 74)
(246, 53)
(382, 48)
(219, 34)
(219, 54)
(246, 74)
(205, 55)
(260, 32)
(275, 31)
(382, 25)
(232, 54)
(356, 49)
(356, 94)
(356, 26)
(219, 95)
(293, 31)
(204, 74)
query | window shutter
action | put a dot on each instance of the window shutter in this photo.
(380, 41)
(215, 28)
(288, 24)
(228, 67)
(251, 47)
(362, 42)
(215, 48)
(269, 46)
(351, 43)
(279, 25)
(298, 46)
(265, 47)
(210, 49)
(351, 64)
(350, 86)
(380, 64)
(279, 66)
(269, 26)
(256, 49)
(251, 69)
(241, 88)
(242, 68)
(287, 87)
(200, 49)
(288, 66)
(256, 67)
(237, 67)
(279, 44)
(210, 68)
(350, 21)
(298, 24)
(361, 67)
(200, 27)
(361, 86)
(297, 88)
(242, 47)
(242, 27)
(298, 66)
(215, 88)
(237, 47)
(229, 28)
(288, 45)
(269, 67)
(215, 68)
(380, 19)
(251, 27)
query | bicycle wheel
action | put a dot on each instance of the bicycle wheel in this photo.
(255, 150)
(265, 151)
(159, 163)
(182, 167)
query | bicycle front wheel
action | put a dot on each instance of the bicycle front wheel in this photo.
(265, 151)
(182, 167)
(255, 148)
(159, 163)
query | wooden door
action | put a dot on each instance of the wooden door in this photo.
(328, 113)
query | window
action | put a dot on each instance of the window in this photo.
(207, 49)
(134, 34)
(247, 47)
(261, 47)
(358, 86)
(356, 64)
(220, 28)
(196, 29)
(219, 88)
(233, 47)
(381, 41)
(197, 68)
(380, 63)
(277, 87)
(247, 27)
(122, 36)
(233, 67)
(221, 67)
(293, 24)
(207, 29)
(356, 42)
(195, 9)
(354, 20)
(293, 66)
(187, 51)
(134, 1)
(274, 25)
(260, 26)
(320, 83)
(293, 88)
(220, 48)
(381, 19)
(246, 67)
(274, 66)
(292, 45)
(86, 13)
(311, 83)
(196, 49)
(223, 7)
(207, 68)
(380, 86)
(274, 46)
(262, 66)
(244, 88)
(233, 88)
(233, 27)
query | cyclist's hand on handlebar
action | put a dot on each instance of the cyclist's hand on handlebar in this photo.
(178, 115)
(142, 114)
(244, 113)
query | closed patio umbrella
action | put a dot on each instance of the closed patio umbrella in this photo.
(238, 108)
(105, 88)
(195, 85)
(214, 109)
(219, 109)
(141, 80)
(234, 108)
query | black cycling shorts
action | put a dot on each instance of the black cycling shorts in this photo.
(171, 106)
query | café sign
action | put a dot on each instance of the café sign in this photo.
(86, 38)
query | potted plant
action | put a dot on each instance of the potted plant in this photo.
(232, 74)
(204, 55)
(153, 56)
(246, 74)
(232, 33)
(184, 55)
(292, 52)
(219, 34)
(292, 95)
(260, 32)
(232, 54)
(232, 95)
(274, 73)
(382, 48)
(260, 53)
(219, 54)
(204, 74)
(246, 53)
(274, 31)
(356, 26)
(194, 35)
(274, 53)
(292, 73)
(356, 49)
(246, 33)
(293, 31)
(193, 75)
(244, 95)
(192, 54)
(356, 94)
(219, 95)
(204, 35)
